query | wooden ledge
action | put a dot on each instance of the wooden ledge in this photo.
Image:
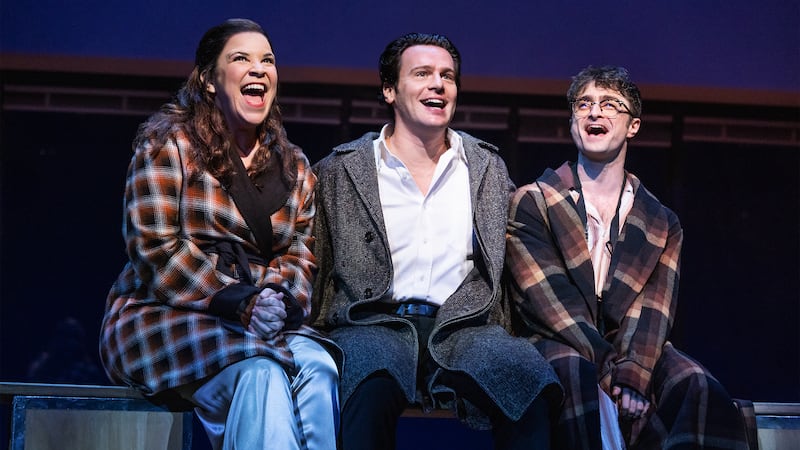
(11, 389)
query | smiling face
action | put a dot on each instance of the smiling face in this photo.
(424, 98)
(245, 81)
(597, 137)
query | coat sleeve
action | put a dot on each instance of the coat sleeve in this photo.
(169, 265)
(647, 323)
(549, 304)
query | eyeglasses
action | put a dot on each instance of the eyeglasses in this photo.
(610, 108)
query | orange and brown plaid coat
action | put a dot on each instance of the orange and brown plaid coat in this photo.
(161, 328)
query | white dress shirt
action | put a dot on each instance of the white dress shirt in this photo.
(430, 236)
(599, 235)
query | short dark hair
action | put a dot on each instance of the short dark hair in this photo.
(607, 77)
(389, 62)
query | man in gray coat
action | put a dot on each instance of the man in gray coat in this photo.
(410, 242)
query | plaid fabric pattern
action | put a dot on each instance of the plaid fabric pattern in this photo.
(549, 260)
(554, 297)
(692, 409)
(157, 332)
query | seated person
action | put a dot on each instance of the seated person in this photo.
(594, 259)
(211, 307)
(410, 239)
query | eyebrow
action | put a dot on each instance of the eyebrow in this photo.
(424, 66)
(430, 68)
(242, 52)
(603, 97)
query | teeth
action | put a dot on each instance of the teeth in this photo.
(256, 89)
(433, 102)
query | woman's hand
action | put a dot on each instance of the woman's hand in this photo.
(268, 315)
(631, 404)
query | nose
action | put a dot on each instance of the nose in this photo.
(258, 69)
(599, 109)
(437, 83)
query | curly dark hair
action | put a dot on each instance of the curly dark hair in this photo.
(607, 77)
(194, 112)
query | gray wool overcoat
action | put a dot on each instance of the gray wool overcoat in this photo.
(470, 332)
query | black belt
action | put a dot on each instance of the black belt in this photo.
(414, 308)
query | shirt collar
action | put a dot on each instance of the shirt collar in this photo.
(380, 148)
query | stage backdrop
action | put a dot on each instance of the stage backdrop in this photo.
(713, 43)
(62, 175)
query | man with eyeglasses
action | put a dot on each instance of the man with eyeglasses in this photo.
(594, 259)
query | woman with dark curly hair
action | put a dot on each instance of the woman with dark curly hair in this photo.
(218, 212)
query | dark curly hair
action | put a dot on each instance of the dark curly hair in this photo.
(194, 112)
(607, 77)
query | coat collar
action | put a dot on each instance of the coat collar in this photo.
(568, 230)
(360, 165)
(634, 256)
(638, 250)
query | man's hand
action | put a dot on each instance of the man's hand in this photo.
(268, 315)
(631, 404)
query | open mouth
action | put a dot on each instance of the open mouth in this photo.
(434, 103)
(596, 130)
(254, 93)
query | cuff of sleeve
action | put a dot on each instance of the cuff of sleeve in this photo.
(245, 310)
(633, 375)
(232, 300)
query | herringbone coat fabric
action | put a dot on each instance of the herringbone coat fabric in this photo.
(470, 332)
(164, 326)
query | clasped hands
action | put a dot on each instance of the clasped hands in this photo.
(630, 404)
(269, 313)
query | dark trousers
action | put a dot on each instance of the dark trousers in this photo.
(369, 418)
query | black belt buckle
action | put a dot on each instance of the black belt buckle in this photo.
(416, 309)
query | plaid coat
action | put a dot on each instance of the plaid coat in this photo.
(470, 332)
(554, 294)
(171, 315)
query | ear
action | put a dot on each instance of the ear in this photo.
(388, 93)
(633, 127)
(209, 86)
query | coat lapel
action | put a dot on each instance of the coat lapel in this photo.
(568, 230)
(637, 252)
(360, 167)
(489, 203)
(477, 169)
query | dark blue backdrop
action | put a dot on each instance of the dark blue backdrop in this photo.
(720, 43)
(61, 242)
